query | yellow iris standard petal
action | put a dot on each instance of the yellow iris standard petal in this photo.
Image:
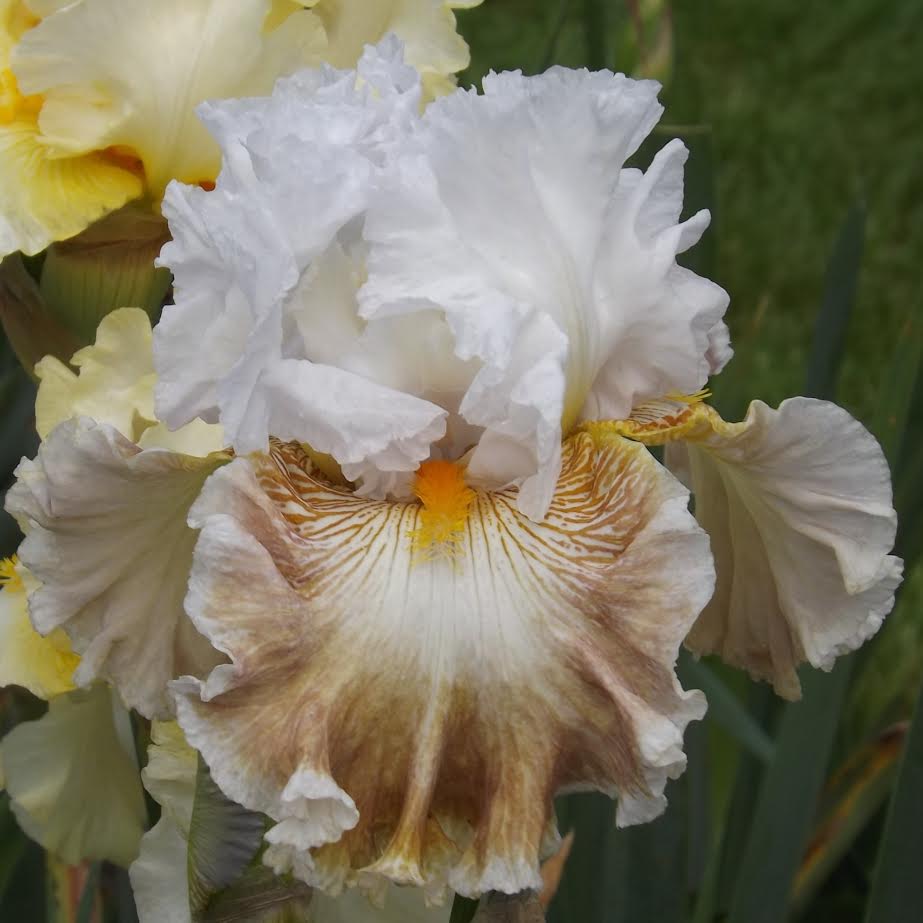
(43, 199)
(797, 502)
(114, 382)
(410, 720)
(44, 666)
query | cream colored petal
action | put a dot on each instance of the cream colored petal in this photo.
(797, 502)
(43, 199)
(159, 875)
(138, 70)
(426, 27)
(44, 666)
(114, 382)
(159, 880)
(107, 537)
(408, 717)
(73, 780)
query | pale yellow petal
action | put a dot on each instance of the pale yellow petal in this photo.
(73, 780)
(114, 382)
(44, 199)
(44, 666)
(128, 74)
(797, 502)
(426, 27)
(408, 717)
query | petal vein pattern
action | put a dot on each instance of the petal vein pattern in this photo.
(410, 720)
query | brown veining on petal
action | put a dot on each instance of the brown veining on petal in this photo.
(449, 700)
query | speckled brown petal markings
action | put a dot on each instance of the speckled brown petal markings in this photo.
(411, 719)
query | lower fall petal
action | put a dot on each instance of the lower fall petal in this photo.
(409, 718)
(106, 536)
(797, 502)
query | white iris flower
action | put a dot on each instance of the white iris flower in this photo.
(443, 575)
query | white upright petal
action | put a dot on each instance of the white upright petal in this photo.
(243, 257)
(797, 502)
(106, 536)
(499, 235)
(73, 780)
(555, 266)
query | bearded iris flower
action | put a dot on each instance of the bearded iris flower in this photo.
(437, 578)
(90, 124)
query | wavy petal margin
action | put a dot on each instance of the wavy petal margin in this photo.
(106, 536)
(797, 502)
(411, 719)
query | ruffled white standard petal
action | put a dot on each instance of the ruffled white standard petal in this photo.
(106, 536)
(44, 666)
(797, 502)
(135, 75)
(408, 717)
(114, 383)
(556, 267)
(73, 780)
(240, 255)
(506, 218)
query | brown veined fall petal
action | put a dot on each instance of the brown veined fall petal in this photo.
(409, 717)
(797, 502)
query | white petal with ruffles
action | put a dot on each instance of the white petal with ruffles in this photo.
(408, 717)
(507, 218)
(554, 265)
(106, 536)
(238, 255)
(797, 502)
